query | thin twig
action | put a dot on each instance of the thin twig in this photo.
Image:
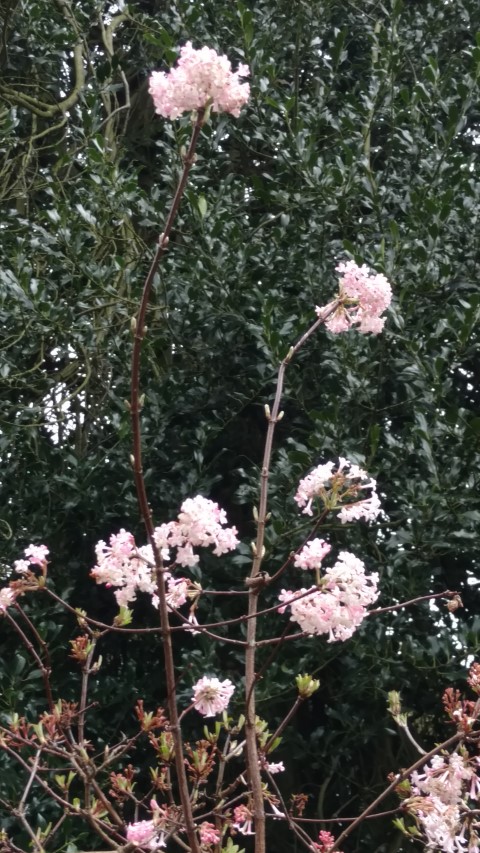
(280, 728)
(83, 695)
(29, 646)
(445, 594)
(297, 830)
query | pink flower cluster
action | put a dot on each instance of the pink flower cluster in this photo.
(440, 796)
(121, 564)
(201, 523)
(7, 598)
(200, 78)
(338, 606)
(445, 777)
(36, 555)
(144, 833)
(243, 820)
(325, 842)
(363, 297)
(339, 487)
(151, 834)
(272, 767)
(211, 696)
(208, 833)
(312, 554)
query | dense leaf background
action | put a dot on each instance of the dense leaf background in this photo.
(361, 140)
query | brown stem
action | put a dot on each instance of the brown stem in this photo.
(140, 331)
(173, 714)
(42, 644)
(250, 716)
(276, 641)
(28, 645)
(51, 835)
(293, 710)
(117, 751)
(113, 814)
(142, 493)
(297, 830)
(273, 419)
(104, 834)
(83, 696)
(446, 594)
(255, 585)
(27, 767)
(34, 842)
(221, 767)
(87, 771)
(293, 554)
(322, 820)
(273, 654)
(185, 626)
(19, 812)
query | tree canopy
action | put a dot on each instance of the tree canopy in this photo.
(360, 141)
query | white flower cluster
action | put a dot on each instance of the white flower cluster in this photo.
(201, 524)
(340, 487)
(312, 554)
(439, 801)
(338, 606)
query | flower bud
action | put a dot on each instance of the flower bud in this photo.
(123, 617)
(395, 708)
(81, 614)
(306, 685)
(96, 666)
(38, 729)
(454, 604)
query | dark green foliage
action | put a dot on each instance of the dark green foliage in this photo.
(361, 140)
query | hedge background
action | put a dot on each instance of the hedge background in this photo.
(361, 140)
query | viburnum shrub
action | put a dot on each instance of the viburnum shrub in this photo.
(212, 794)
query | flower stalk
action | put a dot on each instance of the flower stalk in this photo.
(139, 334)
(256, 583)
